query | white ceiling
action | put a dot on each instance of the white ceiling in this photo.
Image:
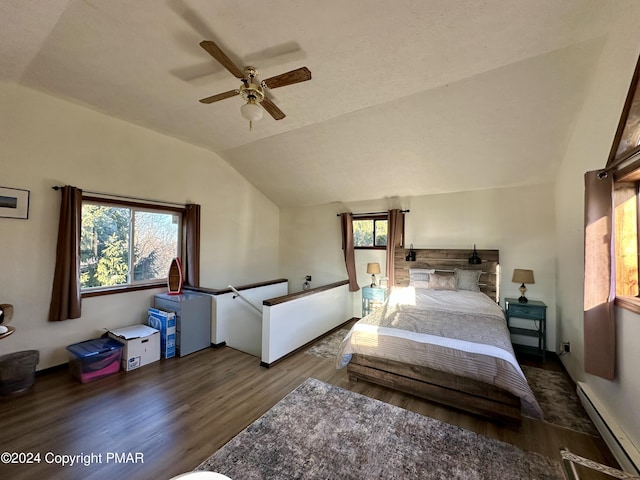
(408, 97)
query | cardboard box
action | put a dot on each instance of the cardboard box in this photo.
(141, 345)
(165, 322)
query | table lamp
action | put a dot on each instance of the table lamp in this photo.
(373, 269)
(522, 276)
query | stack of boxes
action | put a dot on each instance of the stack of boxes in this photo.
(125, 348)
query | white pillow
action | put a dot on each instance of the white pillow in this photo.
(419, 277)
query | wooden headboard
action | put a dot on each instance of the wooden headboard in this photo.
(447, 260)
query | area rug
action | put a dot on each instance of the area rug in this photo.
(558, 399)
(328, 346)
(320, 431)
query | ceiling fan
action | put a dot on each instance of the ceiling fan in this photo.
(252, 91)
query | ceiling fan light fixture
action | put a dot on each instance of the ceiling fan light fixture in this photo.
(251, 110)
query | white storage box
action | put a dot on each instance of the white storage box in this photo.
(141, 345)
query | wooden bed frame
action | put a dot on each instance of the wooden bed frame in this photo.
(458, 392)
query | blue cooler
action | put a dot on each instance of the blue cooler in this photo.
(94, 359)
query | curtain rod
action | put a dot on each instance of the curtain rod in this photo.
(613, 166)
(372, 213)
(124, 197)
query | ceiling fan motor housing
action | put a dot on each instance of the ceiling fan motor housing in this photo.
(252, 91)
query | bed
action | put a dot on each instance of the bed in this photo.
(443, 337)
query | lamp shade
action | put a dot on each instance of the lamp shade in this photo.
(251, 111)
(522, 276)
(373, 268)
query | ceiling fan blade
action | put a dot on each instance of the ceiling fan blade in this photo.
(216, 52)
(220, 96)
(301, 74)
(271, 108)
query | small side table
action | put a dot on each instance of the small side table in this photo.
(536, 312)
(372, 298)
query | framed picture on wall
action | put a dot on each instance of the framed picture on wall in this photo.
(14, 203)
(627, 140)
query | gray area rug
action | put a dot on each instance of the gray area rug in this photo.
(328, 346)
(320, 431)
(555, 393)
(558, 399)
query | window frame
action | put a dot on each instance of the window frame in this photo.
(630, 173)
(625, 167)
(376, 217)
(135, 206)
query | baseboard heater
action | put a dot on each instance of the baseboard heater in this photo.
(623, 449)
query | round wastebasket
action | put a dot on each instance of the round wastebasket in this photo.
(18, 371)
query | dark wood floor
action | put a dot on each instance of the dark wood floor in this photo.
(175, 413)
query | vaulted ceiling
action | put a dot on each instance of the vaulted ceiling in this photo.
(408, 97)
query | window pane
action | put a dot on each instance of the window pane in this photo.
(155, 244)
(363, 233)
(626, 240)
(381, 233)
(104, 245)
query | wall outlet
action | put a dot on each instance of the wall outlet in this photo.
(566, 347)
(308, 278)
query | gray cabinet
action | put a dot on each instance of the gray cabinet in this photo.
(193, 320)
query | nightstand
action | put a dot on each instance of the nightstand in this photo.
(372, 298)
(533, 311)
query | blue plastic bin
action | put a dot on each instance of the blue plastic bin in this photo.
(94, 359)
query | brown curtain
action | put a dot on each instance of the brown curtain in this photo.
(394, 239)
(346, 222)
(599, 277)
(192, 258)
(65, 294)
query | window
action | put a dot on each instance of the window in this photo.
(624, 162)
(370, 231)
(127, 244)
(626, 235)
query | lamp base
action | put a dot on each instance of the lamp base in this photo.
(522, 298)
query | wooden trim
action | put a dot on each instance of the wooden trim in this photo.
(134, 204)
(123, 289)
(630, 172)
(163, 284)
(270, 302)
(628, 303)
(222, 291)
(624, 118)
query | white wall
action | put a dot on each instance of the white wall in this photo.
(290, 325)
(588, 150)
(239, 325)
(517, 221)
(44, 142)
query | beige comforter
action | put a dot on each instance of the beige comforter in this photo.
(461, 332)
